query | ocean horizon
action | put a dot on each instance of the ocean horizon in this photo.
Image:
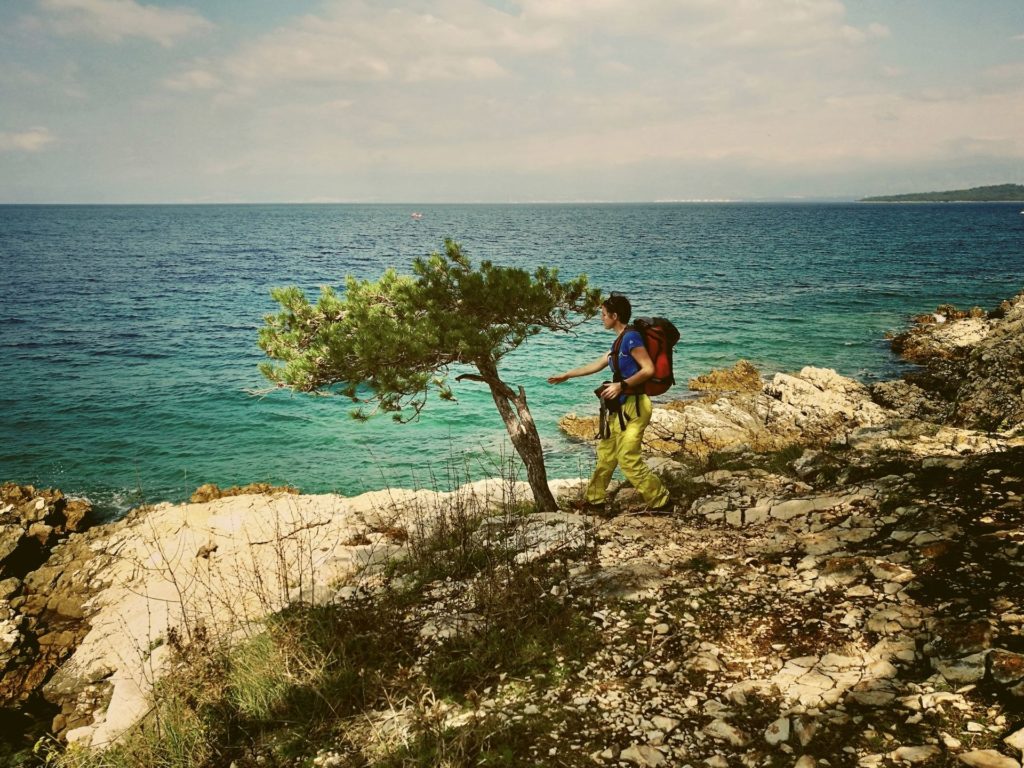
(842, 200)
(129, 331)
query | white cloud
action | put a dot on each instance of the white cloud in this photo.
(785, 26)
(984, 146)
(1011, 73)
(114, 20)
(836, 135)
(398, 98)
(193, 80)
(358, 41)
(32, 140)
(561, 84)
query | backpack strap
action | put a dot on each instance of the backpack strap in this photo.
(616, 369)
(616, 347)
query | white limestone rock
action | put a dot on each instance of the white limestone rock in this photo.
(969, 669)
(723, 731)
(1015, 740)
(777, 732)
(260, 548)
(914, 755)
(643, 755)
(987, 758)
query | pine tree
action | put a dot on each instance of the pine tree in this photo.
(389, 343)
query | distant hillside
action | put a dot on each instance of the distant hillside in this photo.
(992, 194)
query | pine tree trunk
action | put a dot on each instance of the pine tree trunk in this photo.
(523, 431)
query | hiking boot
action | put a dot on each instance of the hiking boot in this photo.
(663, 509)
(587, 507)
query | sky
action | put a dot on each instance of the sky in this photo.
(128, 101)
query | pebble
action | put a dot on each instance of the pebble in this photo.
(915, 754)
(777, 732)
(804, 728)
(987, 758)
(643, 755)
(1016, 740)
(666, 724)
(720, 729)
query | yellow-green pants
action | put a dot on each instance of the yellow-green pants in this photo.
(622, 448)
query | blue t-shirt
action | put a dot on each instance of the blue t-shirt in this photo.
(627, 365)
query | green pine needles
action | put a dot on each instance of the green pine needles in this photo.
(387, 344)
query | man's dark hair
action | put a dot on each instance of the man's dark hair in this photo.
(617, 304)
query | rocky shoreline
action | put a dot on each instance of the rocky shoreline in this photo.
(971, 365)
(841, 582)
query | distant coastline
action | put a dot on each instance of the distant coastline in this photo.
(997, 193)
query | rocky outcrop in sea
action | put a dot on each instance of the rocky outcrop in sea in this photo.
(41, 583)
(973, 366)
(840, 583)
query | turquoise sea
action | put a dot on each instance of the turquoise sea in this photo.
(128, 333)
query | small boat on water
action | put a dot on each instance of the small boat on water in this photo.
(416, 215)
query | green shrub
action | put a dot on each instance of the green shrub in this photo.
(258, 676)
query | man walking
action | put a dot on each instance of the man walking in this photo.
(630, 409)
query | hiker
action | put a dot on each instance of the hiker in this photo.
(628, 411)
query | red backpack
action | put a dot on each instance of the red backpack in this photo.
(659, 337)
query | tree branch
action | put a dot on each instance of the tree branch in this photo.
(491, 381)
